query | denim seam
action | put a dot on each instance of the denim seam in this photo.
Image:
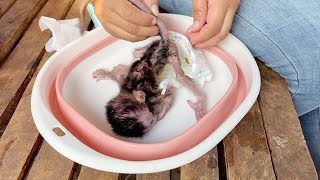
(278, 48)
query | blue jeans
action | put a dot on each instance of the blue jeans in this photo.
(285, 35)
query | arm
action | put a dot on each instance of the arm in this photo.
(117, 74)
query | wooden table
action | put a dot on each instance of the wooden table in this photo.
(267, 144)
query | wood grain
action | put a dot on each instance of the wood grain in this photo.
(154, 176)
(21, 137)
(204, 168)
(246, 148)
(49, 164)
(289, 152)
(18, 69)
(15, 21)
(89, 174)
(5, 5)
(18, 141)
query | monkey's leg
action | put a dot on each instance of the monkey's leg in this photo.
(199, 106)
(166, 105)
(118, 73)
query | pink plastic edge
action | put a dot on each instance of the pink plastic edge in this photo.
(103, 143)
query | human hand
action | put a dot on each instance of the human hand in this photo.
(124, 20)
(212, 21)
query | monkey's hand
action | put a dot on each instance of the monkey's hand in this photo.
(118, 73)
(100, 74)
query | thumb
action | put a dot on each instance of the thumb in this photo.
(200, 8)
(153, 6)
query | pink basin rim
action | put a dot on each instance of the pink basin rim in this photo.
(105, 144)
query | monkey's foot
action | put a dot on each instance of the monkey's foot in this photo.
(166, 105)
(100, 74)
(198, 107)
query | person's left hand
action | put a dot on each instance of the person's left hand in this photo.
(212, 21)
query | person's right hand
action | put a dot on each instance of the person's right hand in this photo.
(125, 21)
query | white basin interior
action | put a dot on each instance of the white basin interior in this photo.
(75, 150)
(89, 97)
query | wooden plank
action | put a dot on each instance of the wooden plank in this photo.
(21, 136)
(5, 5)
(290, 156)
(49, 164)
(17, 71)
(206, 167)
(89, 174)
(175, 174)
(246, 149)
(154, 176)
(15, 21)
(18, 142)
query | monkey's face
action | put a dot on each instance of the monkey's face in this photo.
(129, 117)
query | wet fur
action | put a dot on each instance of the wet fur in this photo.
(132, 114)
(129, 117)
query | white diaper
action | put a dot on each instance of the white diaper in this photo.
(192, 61)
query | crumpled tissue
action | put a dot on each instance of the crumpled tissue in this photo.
(63, 32)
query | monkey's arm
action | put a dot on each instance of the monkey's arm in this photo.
(199, 106)
(118, 73)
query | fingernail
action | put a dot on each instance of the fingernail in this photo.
(189, 29)
(154, 21)
(195, 24)
(155, 9)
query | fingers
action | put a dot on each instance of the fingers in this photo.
(215, 21)
(222, 34)
(200, 8)
(124, 20)
(191, 104)
(153, 6)
(131, 13)
(218, 23)
(121, 34)
(132, 28)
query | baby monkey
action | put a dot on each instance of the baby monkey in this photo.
(140, 104)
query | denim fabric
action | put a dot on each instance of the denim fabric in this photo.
(311, 131)
(285, 35)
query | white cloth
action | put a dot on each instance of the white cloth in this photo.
(63, 32)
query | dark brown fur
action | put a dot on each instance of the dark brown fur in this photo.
(140, 104)
(127, 115)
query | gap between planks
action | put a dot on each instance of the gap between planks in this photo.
(247, 154)
(5, 5)
(11, 107)
(15, 21)
(289, 152)
(21, 134)
(130, 176)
